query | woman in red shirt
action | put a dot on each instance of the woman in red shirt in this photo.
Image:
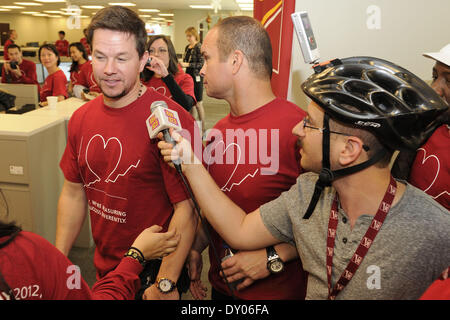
(55, 83)
(31, 268)
(164, 75)
(81, 75)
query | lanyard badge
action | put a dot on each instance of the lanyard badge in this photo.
(364, 245)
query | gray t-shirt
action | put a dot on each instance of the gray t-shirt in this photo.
(410, 251)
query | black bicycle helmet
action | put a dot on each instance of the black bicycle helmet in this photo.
(373, 94)
(380, 96)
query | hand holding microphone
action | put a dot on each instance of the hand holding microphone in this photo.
(162, 123)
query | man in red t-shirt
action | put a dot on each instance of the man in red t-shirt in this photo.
(12, 36)
(252, 156)
(85, 43)
(111, 165)
(24, 71)
(62, 44)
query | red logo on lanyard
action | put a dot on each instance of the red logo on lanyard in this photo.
(364, 245)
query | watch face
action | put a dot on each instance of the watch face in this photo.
(165, 285)
(276, 266)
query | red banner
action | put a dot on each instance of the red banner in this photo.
(275, 16)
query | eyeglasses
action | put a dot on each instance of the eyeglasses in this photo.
(306, 124)
(159, 51)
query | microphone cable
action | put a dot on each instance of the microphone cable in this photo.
(206, 228)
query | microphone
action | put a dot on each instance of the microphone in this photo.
(161, 120)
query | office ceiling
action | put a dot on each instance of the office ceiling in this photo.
(162, 5)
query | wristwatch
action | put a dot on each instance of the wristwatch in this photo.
(135, 254)
(274, 262)
(165, 285)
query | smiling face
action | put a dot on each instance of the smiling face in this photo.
(75, 54)
(116, 63)
(48, 58)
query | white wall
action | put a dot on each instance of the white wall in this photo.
(191, 18)
(408, 28)
(32, 29)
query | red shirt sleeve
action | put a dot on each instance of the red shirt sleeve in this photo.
(59, 84)
(186, 84)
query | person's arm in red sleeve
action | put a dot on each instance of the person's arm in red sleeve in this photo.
(59, 86)
(29, 75)
(3, 74)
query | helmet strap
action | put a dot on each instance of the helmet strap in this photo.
(326, 176)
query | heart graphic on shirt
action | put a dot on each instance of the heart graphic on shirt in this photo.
(425, 159)
(104, 152)
(161, 90)
(225, 187)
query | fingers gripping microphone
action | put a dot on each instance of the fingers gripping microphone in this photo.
(161, 120)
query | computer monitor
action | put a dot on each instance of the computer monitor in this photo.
(33, 44)
(42, 73)
(64, 66)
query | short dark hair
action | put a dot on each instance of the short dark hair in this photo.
(62, 32)
(50, 47)
(118, 18)
(367, 137)
(13, 46)
(249, 36)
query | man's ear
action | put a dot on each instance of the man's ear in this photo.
(237, 60)
(351, 150)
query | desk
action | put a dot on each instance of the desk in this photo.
(64, 110)
(30, 178)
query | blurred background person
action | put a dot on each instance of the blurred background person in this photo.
(12, 36)
(193, 62)
(81, 76)
(62, 45)
(56, 82)
(18, 69)
(164, 74)
(85, 43)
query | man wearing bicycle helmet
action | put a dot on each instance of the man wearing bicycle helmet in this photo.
(360, 233)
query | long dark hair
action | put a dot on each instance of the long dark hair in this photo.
(9, 230)
(173, 60)
(80, 47)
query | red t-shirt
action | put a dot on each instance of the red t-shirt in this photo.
(28, 69)
(253, 167)
(54, 85)
(430, 171)
(63, 47)
(127, 184)
(85, 77)
(181, 78)
(5, 49)
(35, 270)
(86, 46)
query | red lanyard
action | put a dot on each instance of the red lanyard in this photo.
(364, 245)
